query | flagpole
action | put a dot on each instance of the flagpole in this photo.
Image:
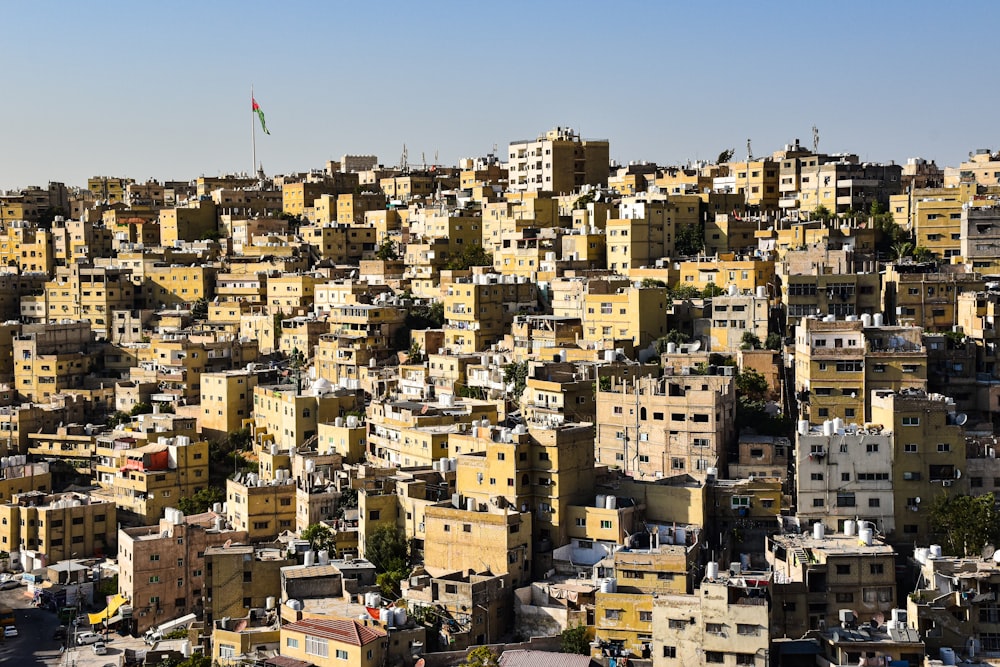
(253, 136)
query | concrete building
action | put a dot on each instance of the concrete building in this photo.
(162, 567)
(658, 427)
(53, 527)
(558, 161)
(475, 608)
(239, 579)
(329, 642)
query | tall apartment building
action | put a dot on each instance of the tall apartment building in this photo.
(162, 567)
(478, 309)
(558, 161)
(926, 295)
(54, 527)
(659, 427)
(839, 363)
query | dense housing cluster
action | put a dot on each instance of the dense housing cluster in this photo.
(739, 413)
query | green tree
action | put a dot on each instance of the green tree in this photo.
(481, 656)
(901, 250)
(117, 418)
(348, 500)
(653, 282)
(725, 156)
(320, 538)
(750, 341)
(690, 240)
(773, 341)
(415, 354)
(751, 384)
(387, 549)
(574, 640)
(922, 254)
(516, 374)
(141, 408)
(966, 523)
(822, 213)
(673, 336)
(684, 292)
(712, 290)
(471, 255)
(201, 500)
(387, 251)
(583, 200)
(200, 309)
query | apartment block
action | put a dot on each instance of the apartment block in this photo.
(239, 579)
(558, 161)
(54, 527)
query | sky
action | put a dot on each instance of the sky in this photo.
(162, 89)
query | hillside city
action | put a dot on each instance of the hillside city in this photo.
(737, 413)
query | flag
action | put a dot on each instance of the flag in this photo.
(260, 114)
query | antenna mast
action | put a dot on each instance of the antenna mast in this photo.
(749, 151)
(815, 139)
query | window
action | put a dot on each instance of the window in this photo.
(715, 657)
(874, 502)
(320, 647)
(605, 524)
(876, 568)
(646, 616)
(292, 642)
(910, 448)
(341, 654)
(911, 421)
(845, 597)
(740, 502)
(676, 624)
(843, 569)
(613, 614)
(714, 628)
(747, 629)
(669, 651)
(845, 499)
(818, 502)
(816, 476)
(744, 658)
(155, 579)
(944, 447)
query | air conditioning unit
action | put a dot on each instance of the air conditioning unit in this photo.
(946, 482)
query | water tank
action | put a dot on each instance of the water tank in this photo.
(601, 499)
(851, 318)
(470, 504)
(733, 290)
(680, 536)
(877, 320)
(376, 600)
(294, 604)
(947, 655)
(935, 551)
(452, 464)
(819, 530)
(610, 502)
(803, 426)
(849, 527)
(828, 429)
(186, 648)
(761, 292)
(219, 523)
(323, 557)
(671, 348)
(866, 320)
(338, 422)
(609, 355)
(269, 602)
(400, 616)
(310, 465)
(217, 508)
(921, 554)
(838, 425)
(899, 616)
(865, 536)
(310, 558)
(712, 571)
(609, 585)
(352, 421)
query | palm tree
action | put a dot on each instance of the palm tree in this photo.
(901, 249)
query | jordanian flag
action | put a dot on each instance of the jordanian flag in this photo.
(260, 114)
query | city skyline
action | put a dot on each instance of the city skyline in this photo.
(135, 91)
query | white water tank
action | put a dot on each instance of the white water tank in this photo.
(849, 527)
(865, 536)
(610, 502)
(920, 554)
(712, 571)
(866, 320)
(274, 450)
(877, 320)
(400, 616)
(269, 602)
(470, 504)
(761, 292)
(352, 421)
(609, 355)
(671, 348)
(601, 499)
(680, 536)
(838, 425)
(935, 551)
(186, 648)
(339, 422)
(609, 585)
(803, 426)
(294, 604)
(310, 558)
(828, 429)
(323, 557)
(819, 530)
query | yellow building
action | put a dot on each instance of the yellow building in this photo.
(239, 578)
(926, 295)
(478, 309)
(330, 642)
(755, 180)
(290, 417)
(58, 526)
(235, 637)
(27, 247)
(635, 314)
(192, 222)
(262, 510)
(226, 402)
(51, 358)
(291, 294)
(176, 285)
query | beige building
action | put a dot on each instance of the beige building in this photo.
(262, 511)
(330, 642)
(58, 526)
(659, 427)
(162, 567)
(226, 402)
(558, 161)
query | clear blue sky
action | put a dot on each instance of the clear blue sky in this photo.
(161, 89)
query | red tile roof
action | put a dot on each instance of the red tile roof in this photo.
(341, 630)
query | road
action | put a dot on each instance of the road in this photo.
(34, 644)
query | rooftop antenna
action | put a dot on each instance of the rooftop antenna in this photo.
(435, 156)
(815, 139)
(749, 151)
(423, 160)
(402, 159)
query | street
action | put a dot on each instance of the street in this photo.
(34, 644)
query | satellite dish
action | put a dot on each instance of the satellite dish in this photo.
(917, 500)
(854, 394)
(988, 551)
(695, 346)
(961, 418)
(958, 474)
(836, 637)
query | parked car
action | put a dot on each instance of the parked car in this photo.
(100, 648)
(87, 637)
(9, 631)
